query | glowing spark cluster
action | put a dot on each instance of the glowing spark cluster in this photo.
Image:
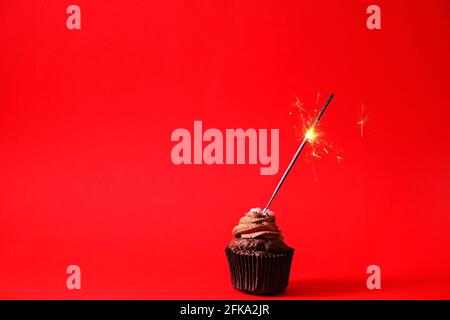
(362, 121)
(314, 135)
(311, 135)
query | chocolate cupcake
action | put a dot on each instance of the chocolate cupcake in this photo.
(259, 260)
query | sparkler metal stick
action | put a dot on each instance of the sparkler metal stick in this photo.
(299, 150)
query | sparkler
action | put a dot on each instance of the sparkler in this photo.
(310, 136)
(316, 138)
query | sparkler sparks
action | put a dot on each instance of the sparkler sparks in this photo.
(298, 104)
(363, 119)
(311, 135)
(316, 138)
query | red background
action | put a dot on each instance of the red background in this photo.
(86, 117)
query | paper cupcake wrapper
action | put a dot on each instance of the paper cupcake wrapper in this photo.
(263, 274)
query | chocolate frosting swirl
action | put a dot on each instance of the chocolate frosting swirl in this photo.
(255, 225)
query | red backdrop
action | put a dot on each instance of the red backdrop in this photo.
(86, 116)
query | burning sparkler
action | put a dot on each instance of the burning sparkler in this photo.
(319, 146)
(311, 135)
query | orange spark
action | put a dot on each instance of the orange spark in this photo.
(363, 119)
(298, 104)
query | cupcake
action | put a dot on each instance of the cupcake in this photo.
(258, 258)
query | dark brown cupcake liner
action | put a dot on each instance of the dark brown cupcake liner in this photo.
(259, 274)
